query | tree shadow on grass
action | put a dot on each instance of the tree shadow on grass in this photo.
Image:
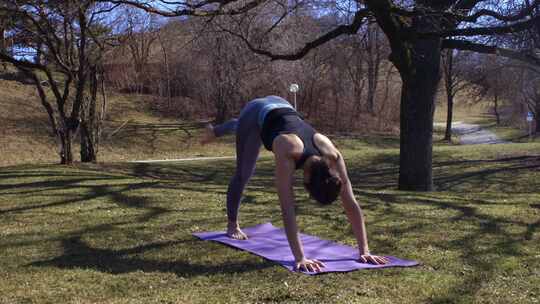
(78, 254)
(50, 184)
(489, 242)
(211, 172)
(460, 175)
(382, 173)
(119, 189)
(487, 230)
(93, 192)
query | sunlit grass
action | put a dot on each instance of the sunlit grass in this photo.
(121, 233)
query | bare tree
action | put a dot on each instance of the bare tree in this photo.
(455, 65)
(92, 115)
(5, 22)
(373, 58)
(139, 35)
(356, 72)
(66, 35)
(532, 97)
(2, 35)
(164, 50)
(449, 80)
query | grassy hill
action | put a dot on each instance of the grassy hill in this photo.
(26, 137)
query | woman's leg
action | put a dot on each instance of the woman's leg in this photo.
(226, 128)
(248, 143)
(211, 132)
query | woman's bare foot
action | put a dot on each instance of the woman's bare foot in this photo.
(209, 135)
(234, 232)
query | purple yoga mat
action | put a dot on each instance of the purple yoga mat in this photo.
(271, 243)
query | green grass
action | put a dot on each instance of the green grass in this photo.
(464, 110)
(512, 134)
(121, 233)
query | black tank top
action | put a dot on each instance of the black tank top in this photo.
(288, 121)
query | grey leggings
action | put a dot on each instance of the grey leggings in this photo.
(248, 143)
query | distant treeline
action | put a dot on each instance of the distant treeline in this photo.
(195, 70)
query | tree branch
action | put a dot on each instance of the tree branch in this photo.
(528, 57)
(284, 15)
(469, 18)
(349, 29)
(495, 30)
(467, 4)
(191, 9)
(394, 29)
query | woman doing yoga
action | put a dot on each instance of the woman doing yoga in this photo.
(272, 121)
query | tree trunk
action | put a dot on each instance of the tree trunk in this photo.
(357, 74)
(449, 115)
(449, 79)
(373, 62)
(496, 107)
(537, 117)
(420, 81)
(167, 69)
(90, 122)
(372, 86)
(2, 43)
(88, 151)
(220, 66)
(66, 154)
(88, 133)
(39, 53)
(2, 39)
(220, 104)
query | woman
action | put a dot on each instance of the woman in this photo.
(272, 121)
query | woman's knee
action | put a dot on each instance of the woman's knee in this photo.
(242, 177)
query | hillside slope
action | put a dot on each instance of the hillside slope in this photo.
(25, 135)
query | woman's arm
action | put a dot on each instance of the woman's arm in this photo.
(355, 215)
(352, 209)
(284, 183)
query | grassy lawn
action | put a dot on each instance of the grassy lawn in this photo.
(121, 233)
(512, 134)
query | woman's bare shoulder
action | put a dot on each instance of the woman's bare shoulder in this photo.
(326, 146)
(287, 145)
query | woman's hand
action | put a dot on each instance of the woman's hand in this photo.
(309, 265)
(373, 259)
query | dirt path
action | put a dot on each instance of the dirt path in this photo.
(181, 159)
(472, 134)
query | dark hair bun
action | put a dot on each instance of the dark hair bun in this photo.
(335, 180)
